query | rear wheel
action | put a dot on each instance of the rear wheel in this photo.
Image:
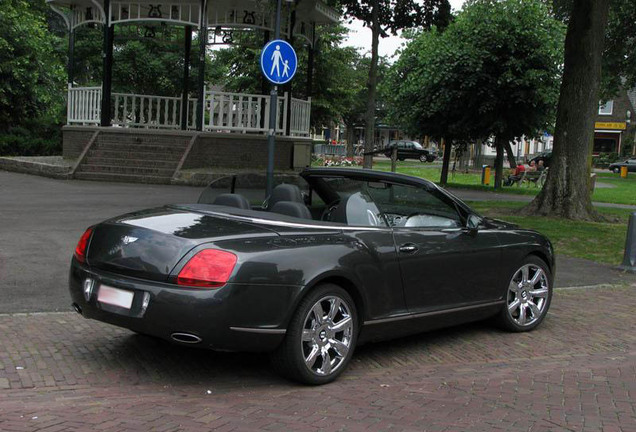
(528, 296)
(320, 338)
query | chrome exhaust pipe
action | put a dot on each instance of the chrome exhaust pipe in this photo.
(186, 338)
(77, 308)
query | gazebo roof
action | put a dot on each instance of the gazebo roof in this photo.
(230, 13)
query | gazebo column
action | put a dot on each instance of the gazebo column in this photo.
(310, 65)
(71, 56)
(203, 38)
(107, 76)
(288, 87)
(264, 83)
(186, 77)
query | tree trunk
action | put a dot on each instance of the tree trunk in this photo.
(566, 192)
(369, 118)
(499, 145)
(477, 159)
(445, 162)
(512, 160)
(350, 139)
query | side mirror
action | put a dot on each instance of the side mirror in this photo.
(473, 222)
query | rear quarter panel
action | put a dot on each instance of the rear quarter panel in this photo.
(276, 273)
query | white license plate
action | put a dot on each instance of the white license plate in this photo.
(115, 297)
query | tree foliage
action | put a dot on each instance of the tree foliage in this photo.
(31, 72)
(494, 71)
(336, 77)
(384, 17)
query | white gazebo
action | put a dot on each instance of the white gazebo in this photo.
(205, 120)
(211, 110)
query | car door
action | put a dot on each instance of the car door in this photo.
(444, 264)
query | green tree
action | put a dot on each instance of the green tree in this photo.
(336, 72)
(31, 66)
(566, 192)
(493, 72)
(386, 17)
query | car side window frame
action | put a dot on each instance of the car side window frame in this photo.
(462, 217)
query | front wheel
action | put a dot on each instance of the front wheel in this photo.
(528, 296)
(423, 158)
(616, 170)
(320, 338)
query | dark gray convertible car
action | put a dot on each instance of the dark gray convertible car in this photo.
(340, 257)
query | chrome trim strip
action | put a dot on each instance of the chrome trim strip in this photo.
(433, 313)
(294, 224)
(259, 330)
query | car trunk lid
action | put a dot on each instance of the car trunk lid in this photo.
(148, 244)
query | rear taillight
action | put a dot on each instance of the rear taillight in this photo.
(82, 246)
(209, 268)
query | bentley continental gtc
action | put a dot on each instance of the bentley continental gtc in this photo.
(332, 259)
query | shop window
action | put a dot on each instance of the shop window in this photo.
(606, 108)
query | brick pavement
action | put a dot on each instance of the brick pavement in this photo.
(60, 372)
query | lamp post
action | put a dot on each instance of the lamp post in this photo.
(628, 120)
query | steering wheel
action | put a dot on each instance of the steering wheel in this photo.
(326, 214)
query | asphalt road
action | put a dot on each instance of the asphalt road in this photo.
(42, 219)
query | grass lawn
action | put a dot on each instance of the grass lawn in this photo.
(601, 242)
(623, 192)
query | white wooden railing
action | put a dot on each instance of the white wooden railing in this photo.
(84, 105)
(236, 112)
(155, 112)
(299, 118)
(223, 112)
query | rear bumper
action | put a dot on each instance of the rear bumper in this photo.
(236, 317)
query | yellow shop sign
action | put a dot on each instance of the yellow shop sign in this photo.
(610, 125)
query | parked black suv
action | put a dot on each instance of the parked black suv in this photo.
(409, 150)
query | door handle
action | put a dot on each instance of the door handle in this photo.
(408, 248)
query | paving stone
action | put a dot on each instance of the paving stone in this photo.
(576, 373)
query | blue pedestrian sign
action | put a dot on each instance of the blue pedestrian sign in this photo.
(279, 61)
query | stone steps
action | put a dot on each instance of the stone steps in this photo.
(115, 177)
(148, 148)
(136, 155)
(142, 158)
(134, 170)
(132, 162)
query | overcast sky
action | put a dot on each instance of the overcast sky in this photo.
(360, 36)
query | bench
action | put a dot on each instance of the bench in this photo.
(535, 177)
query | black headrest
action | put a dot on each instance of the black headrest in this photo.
(290, 208)
(232, 200)
(285, 192)
(340, 213)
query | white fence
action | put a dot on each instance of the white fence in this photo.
(235, 112)
(84, 105)
(299, 119)
(222, 112)
(155, 112)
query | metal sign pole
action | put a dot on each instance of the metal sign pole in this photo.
(273, 109)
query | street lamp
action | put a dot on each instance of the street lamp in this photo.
(628, 120)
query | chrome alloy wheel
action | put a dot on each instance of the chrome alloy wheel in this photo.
(327, 335)
(527, 295)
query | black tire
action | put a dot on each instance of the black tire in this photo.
(616, 170)
(289, 358)
(518, 314)
(423, 158)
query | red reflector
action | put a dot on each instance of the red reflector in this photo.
(209, 268)
(82, 245)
